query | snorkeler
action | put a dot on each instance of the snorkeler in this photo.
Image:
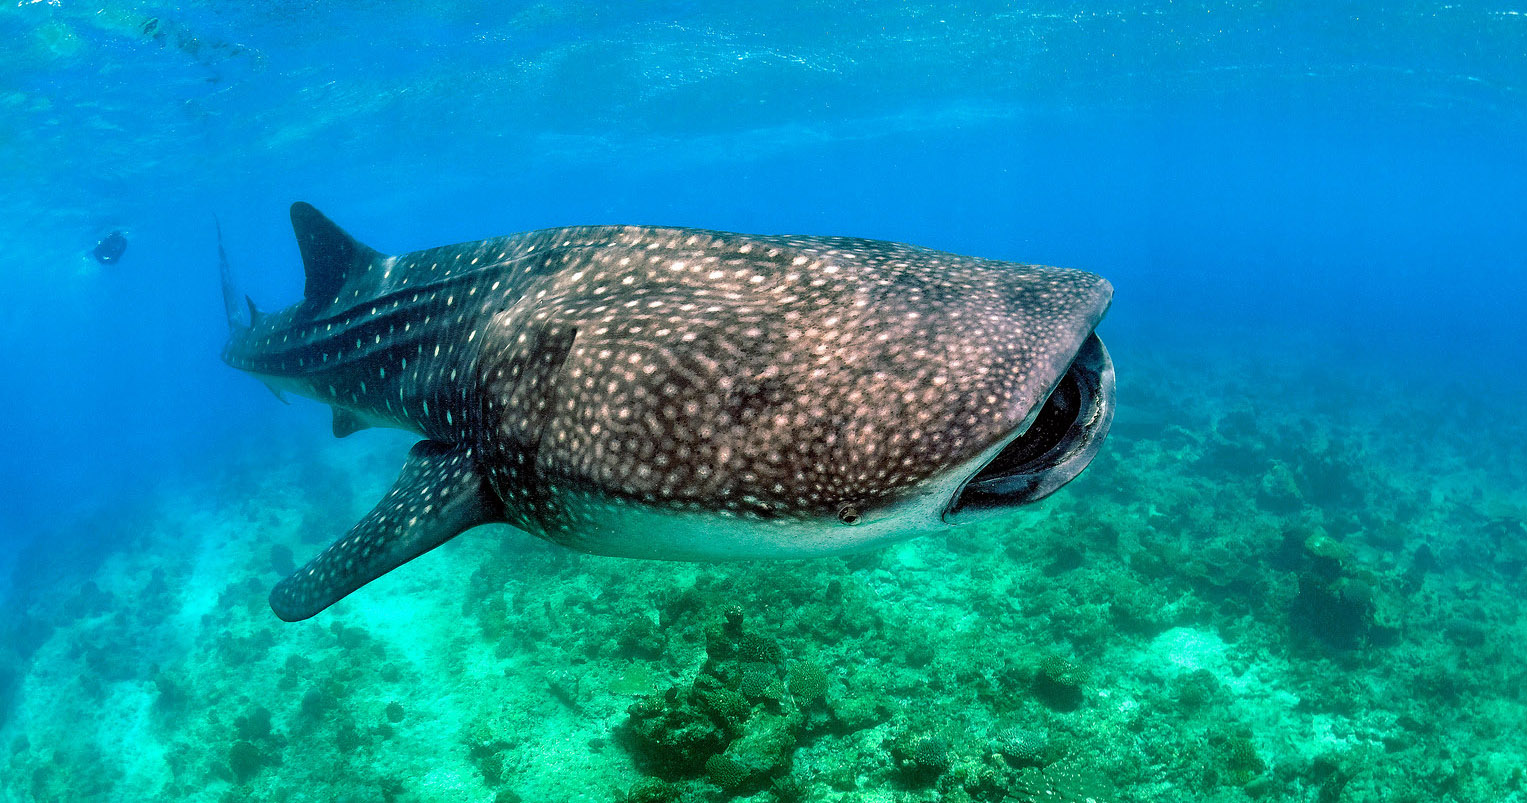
(110, 249)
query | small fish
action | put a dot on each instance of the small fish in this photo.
(683, 394)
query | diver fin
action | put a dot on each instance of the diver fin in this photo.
(441, 492)
(329, 255)
(347, 423)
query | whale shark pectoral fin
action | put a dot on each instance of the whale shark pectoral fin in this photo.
(347, 423)
(441, 492)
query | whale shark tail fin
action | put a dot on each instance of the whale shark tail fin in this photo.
(240, 309)
(330, 256)
(233, 301)
(441, 492)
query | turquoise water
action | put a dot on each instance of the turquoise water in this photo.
(1294, 573)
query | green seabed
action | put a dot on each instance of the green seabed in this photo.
(1280, 581)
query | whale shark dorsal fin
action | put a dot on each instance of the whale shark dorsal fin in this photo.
(347, 423)
(330, 256)
(441, 492)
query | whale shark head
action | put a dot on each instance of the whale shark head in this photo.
(685, 394)
(736, 396)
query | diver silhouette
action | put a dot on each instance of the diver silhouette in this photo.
(110, 249)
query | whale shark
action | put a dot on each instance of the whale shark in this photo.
(682, 394)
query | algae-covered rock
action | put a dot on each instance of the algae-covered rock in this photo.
(487, 755)
(790, 789)
(720, 643)
(671, 735)
(1327, 556)
(1196, 690)
(921, 756)
(254, 724)
(1279, 490)
(726, 706)
(1022, 747)
(726, 772)
(757, 648)
(769, 738)
(651, 790)
(245, 760)
(1237, 756)
(855, 712)
(807, 682)
(317, 701)
(732, 617)
(295, 672)
(763, 751)
(1137, 609)
(347, 738)
(1337, 613)
(760, 682)
(1058, 682)
(172, 696)
(642, 638)
(979, 779)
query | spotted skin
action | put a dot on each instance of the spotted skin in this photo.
(672, 393)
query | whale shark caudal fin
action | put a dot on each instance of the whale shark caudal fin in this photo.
(330, 256)
(240, 317)
(231, 308)
(440, 493)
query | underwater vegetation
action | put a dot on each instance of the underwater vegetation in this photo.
(1239, 601)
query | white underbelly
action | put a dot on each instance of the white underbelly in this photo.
(625, 529)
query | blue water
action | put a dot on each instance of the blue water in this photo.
(1315, 214)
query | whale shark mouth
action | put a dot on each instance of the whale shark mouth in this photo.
(1061, 440)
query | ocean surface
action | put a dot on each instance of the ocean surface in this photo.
(1295, 572)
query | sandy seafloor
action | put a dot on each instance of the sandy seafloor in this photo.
(1287, 577)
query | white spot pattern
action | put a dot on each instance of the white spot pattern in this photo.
(764, 378)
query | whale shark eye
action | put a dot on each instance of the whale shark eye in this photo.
(848, 514)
